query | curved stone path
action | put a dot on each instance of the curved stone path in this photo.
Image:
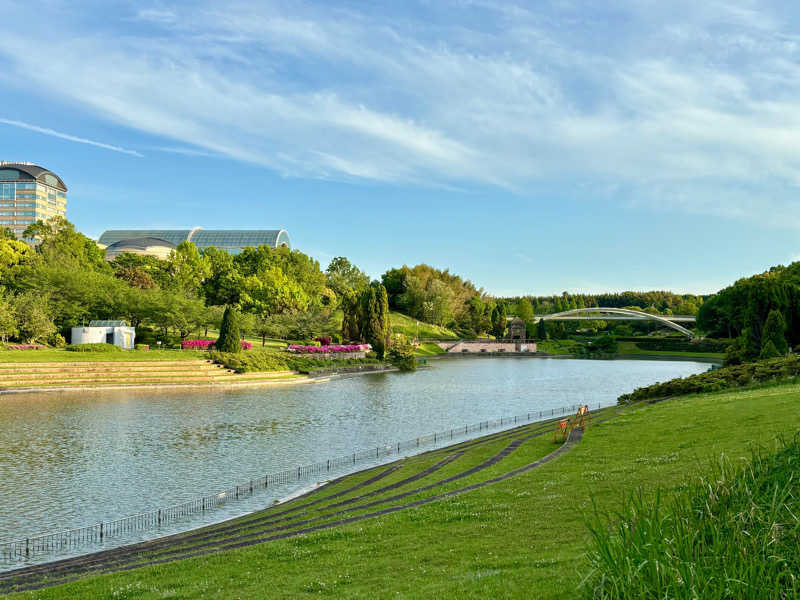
(279, 522)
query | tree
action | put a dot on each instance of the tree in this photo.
(14, 255)
(525, 310)
(499, 321)
(774, 332)
(8, 318)
(374, 322)
(768, 350)
(187, 268)
(7, 234)
(33, 317)
(60, 244)
(401, 354)
(350, 303)
(230, 338)
(343, 277)
(541, 330)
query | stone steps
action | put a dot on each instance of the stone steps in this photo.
(86, 374)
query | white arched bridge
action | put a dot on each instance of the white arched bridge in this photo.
(620, 314)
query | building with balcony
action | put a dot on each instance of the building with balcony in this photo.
(230, 240)
(29, 193)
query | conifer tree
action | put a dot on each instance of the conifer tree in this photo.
(775, 332)
(541, 330)
(229, 333)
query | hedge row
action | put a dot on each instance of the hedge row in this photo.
(677, 344)
(719, 379)
(273, 360)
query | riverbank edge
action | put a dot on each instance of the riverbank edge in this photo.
(703, 359)
(309, 379)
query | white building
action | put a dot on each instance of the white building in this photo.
(105, 332)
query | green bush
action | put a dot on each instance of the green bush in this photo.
(274, 360)
(401, 354)
(719, 379)
(57, 340)
(97, 347)
(734, 534)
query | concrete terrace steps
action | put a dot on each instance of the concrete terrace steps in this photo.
(88, 363)
(128, 373)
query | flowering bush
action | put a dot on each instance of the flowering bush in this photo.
(323, 341)
(297, 349)
(197, 344)
(27, 347)
(206, 344)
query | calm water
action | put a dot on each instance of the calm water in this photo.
(71, 459)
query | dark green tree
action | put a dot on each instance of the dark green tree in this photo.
(499, 320)
(775, 332)
(229, 334)
(768, 350)
(541, 330)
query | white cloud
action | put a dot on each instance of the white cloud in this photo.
(65, 136)
(694, 109)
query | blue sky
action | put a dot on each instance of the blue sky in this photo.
(531, 147)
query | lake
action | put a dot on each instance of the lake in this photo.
(72, 459)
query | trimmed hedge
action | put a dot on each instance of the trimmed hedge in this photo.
(273, 360)
(677, 344)
(719, 379)
(97, 347)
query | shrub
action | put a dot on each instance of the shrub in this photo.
(96, 347)
(57, 340)
(719, 379)
(26, 347)
(197, 344)
(401, 354)
(273, 360)
(144, 347)
(323, 341)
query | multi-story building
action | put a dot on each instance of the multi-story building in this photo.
(29, 193)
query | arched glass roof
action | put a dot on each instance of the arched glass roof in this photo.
(204, 238)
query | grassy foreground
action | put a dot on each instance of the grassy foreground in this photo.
(523, 537)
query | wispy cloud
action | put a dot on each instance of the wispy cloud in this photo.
(691, 107)
(66, 136)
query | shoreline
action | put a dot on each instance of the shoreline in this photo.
(702, 359)
(308, 379)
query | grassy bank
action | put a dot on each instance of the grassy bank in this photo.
(633, 348)
(413, 328)
(522, 537)
(61, 355)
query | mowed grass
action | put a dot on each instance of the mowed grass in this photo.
(428, 349)
(412, 328)
(632, 348)
(60, 355)
(525, 537)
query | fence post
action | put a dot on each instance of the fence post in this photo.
(204, 505)
(27, 547)
(101, 532)
(159, 517)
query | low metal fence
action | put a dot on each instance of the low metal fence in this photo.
(99, 533)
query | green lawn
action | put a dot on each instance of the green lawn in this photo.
(632, 348)
(413, 328)
(54, 355)
(524, 537)
(428, 349)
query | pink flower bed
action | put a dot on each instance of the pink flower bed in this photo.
(297, 349)
(27, 347)
(206, 344)
(197, 344)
